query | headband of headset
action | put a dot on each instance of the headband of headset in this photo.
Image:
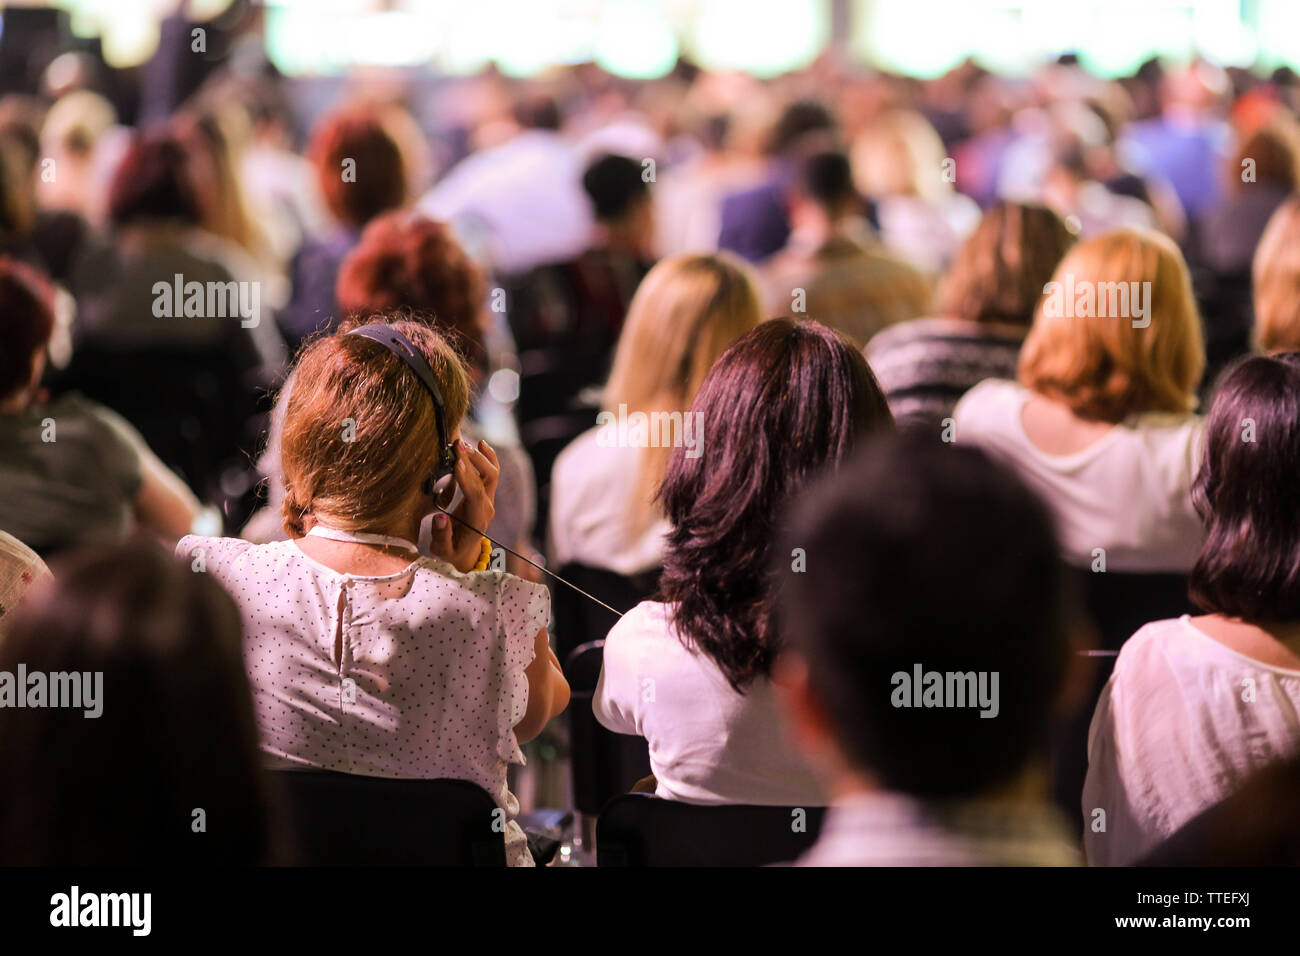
(401, 346)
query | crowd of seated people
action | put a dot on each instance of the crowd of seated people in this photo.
(863, 385)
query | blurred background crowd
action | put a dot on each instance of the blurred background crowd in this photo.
(592, 232)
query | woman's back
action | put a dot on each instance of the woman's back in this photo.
(1182, 723)
(419, 673)
(1127, 493)
(708, 742)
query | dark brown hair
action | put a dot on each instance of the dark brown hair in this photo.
(406, 261)
(1274, 149)
(1248, 494)
(783, 401)
(357, 133)
(26, 322)
(1000, 270)
(155, 181)
(359, 430)
(176, 730)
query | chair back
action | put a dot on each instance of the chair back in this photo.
(603, 764)
(1118, 604)
(339, 819)
(641, 830)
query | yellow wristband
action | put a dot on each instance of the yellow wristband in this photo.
(485, 555)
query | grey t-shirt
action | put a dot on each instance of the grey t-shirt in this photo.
(69, 473)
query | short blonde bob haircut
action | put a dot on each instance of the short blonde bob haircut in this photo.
(1104, 367)
(1277, 281)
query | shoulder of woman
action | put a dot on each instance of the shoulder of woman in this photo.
(205, 552)
(987, 398)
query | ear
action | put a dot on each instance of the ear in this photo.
(805, 719)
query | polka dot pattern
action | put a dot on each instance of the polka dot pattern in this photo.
(431, 677)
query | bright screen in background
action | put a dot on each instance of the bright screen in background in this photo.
(642, 38)
(1112, 37)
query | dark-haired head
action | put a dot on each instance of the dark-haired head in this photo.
(614, 184)
(175, 732)
(797, 120)
(155, 181)
(826, 178)
(1248, 494)
(929, 555)
(786, 400)
(356, 138)
(26, 324)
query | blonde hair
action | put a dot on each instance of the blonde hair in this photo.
(900, 154)
(1101, 366)
(360, 432)
(685, 313)
(1277, 281)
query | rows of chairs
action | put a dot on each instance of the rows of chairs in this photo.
(336, 819)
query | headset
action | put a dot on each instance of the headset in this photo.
(442, 482)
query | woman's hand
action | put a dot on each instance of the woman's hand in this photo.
(477, 472)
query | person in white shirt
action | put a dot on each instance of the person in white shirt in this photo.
(1100, 423)
(1197, 705)
(934, 598)
(690, 673)
(523, 199)
(686, 311)
(365, 656)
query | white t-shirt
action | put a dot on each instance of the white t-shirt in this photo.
(591, 499)
(1128, 493)
(1182, 723)
(431, 682)
(708, 744)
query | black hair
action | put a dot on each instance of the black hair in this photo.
(826, 178)
(920, 554)
(614, 183)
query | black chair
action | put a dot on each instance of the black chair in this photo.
(339, 819)
(578, 620)
(193, 407)
(640, 830)
(1118, 604)
(603, 764)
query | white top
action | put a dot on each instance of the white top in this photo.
(708, 744)
(431, 682)
(591, 499)
(493, 195)
(1128, 493)
(1183, 721)
(894, 829)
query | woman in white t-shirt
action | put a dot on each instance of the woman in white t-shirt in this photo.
(1100, 423)
(1198, 704)
(692, 674)
(685, 312)
(365, 656)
